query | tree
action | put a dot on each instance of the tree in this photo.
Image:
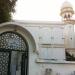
(6, 8)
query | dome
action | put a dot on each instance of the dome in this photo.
(66, 4)
(66, 10)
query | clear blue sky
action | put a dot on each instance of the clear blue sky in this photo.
(44, 10)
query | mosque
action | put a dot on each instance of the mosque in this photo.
(39, 47)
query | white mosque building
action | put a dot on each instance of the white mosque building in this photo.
(39, 47)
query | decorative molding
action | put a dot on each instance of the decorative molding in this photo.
(56, 61)
(52, 45)
(70, 49)
(70, 21)
(34, 23)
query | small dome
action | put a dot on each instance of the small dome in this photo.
(66, 4)
(66, 8)
(66, 11)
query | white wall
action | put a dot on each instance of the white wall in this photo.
(69, 36)
(49, 41)
(45, 37)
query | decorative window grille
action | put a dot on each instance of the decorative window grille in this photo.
(10, 40)
(10, 43)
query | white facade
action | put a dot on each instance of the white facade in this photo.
(47, 43)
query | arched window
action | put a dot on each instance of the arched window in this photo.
(13, 54)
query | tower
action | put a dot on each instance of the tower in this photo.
(66, 11)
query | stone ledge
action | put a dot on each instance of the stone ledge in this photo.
(50, 61)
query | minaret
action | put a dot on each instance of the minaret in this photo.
(66, 11)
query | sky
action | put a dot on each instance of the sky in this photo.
(39, 10)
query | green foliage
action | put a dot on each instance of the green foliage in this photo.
(6, 8)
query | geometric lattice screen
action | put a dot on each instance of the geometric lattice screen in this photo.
(4, 62)
(10, 40)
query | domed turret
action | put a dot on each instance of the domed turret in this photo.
(66, 11)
